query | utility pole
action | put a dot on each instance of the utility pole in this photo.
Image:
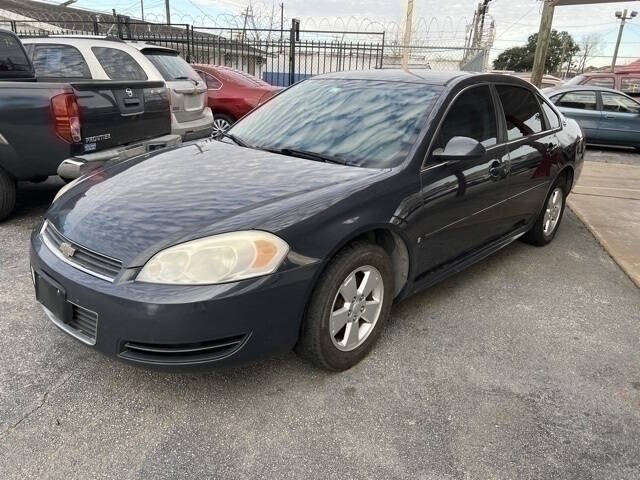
(168, 10)
(544, 36)
(142, 9)
(408, 25)
(622, 16)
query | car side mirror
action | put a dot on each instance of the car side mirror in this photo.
(461, 148)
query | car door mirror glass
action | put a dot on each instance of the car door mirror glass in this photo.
(460, 148)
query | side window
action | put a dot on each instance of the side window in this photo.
(612, 102)
(579, 100)
(608, 82)
(521, 111)
(118, 64)
(553, 121)
(212, 82)
(472, 115)
(12, 57)
(630, 85)
(59, 61)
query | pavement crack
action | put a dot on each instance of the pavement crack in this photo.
(43, 400)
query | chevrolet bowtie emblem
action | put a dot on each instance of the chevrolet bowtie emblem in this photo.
(67, 249)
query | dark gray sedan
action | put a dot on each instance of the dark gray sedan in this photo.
(607, 116)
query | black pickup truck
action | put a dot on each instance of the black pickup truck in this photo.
(81, 123)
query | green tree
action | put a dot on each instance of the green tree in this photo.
(520, 59)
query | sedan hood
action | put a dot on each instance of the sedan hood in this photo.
(131, 210)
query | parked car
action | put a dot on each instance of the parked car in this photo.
(608, 117)
(232, 94)
(190, 115)
(625, 79)
(304, 235)
(65, 122)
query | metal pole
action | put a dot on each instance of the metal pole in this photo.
(142, 9)
(408, 25)
(615, 52)
(168, 11)
(281, 22)
(544, 36)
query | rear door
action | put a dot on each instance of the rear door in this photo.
(188, 90)
(582, 106)
(620, 123)
(532, 147)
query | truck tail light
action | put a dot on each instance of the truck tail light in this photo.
(66, 117)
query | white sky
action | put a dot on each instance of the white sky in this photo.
(515, 19)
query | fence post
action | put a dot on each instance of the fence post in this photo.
(96, 27)
(119, 27)
(127, 26)
(14, 26)
(382, 51)
(294, 34)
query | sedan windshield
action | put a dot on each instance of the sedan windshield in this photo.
(357, 122)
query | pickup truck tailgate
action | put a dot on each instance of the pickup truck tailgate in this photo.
(119, 113)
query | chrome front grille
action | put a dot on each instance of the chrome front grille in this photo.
(82, 258)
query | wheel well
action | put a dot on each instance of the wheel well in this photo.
(397, 250)
(567, 172)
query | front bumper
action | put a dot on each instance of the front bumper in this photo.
(182, 328)
(74, 167)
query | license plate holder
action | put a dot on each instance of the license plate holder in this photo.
(53, 297)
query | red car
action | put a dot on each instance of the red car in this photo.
(232, 93)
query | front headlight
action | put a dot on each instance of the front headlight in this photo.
(221, 258)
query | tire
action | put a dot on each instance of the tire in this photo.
(364, 319)
(542, 233)
(221, 123)
(7, 194)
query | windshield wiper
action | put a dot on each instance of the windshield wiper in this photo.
(233, 138)
(318, 157)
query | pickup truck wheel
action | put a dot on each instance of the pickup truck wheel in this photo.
(348, 308)
(7, 194)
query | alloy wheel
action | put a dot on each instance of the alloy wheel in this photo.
(220, 125)
(553, 211)
(356, 308)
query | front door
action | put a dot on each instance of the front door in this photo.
(620, 122)
(462, 200)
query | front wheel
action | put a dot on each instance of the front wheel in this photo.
(546, 226)
(7, 194)
(348, 308)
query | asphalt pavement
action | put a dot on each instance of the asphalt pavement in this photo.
(524, 366)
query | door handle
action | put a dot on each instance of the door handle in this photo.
(550, 147)
(495, 170)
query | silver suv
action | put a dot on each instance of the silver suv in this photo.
(190, 115)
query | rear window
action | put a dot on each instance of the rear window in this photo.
(612, 102)
(12, 57)
(118, 64)
(59, 61)
(171, 66)
(521, 111)
(630, 85)
(608, 82)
